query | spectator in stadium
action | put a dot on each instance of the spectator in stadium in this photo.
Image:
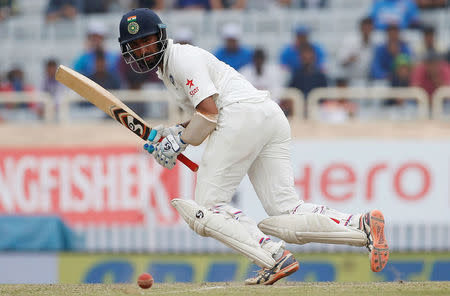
(356, 53)
(431, 4)
(385, 54)
(228, 4)
(290, 55)
(400, 78)
(49, 83)
(402, 72)
(193, 4)
(269, 4)
(101, 73)
(61, 9)
(16, 81)
(91, 6)
(51, 86)
(152, 4)
(233, 53)
(313, 4)
(337, 110)
(287, 105)
(308, 76)
(7, 9)
(183, 35)
(403, 13)
(432, 73)
(429, 42)
(95, 38)
(264, 75)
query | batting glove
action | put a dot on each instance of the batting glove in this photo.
(166, 151)
(159, 132)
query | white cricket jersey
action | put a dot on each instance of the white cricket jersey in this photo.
(192, 74)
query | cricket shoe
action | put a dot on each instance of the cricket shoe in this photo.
(372, 224)
(285, 266)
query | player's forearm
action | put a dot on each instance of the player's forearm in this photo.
(202, 123)
(199, 128)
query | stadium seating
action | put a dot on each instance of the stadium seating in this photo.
(65, 39)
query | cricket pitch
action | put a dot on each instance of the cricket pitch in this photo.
(234, 288)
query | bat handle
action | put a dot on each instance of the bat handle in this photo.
(189, 163)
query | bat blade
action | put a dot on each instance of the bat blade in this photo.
(128, 120)
(110, 104)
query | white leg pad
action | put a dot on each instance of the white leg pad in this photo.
(223, 228)
(307, 228)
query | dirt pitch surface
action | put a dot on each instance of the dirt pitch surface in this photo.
(286, 288)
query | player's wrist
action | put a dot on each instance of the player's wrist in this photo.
(182, 142)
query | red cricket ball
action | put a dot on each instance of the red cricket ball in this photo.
(145, 280)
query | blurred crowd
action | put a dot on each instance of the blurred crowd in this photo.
(57, 9)
(70, 8)
(302, 64)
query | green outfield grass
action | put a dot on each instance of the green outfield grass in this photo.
(286, 288)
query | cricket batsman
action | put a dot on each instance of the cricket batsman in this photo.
(248, 134)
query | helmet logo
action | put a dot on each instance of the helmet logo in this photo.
(133, 28)
(131, 18)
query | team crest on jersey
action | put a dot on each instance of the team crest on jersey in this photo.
(133, 28)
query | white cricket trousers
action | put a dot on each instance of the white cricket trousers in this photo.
(251, 138)
(255, 139)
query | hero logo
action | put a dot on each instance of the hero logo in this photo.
(342, 182)
(194, 91)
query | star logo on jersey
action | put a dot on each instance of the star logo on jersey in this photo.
(190, 83)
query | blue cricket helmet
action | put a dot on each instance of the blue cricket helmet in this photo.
(136, 24)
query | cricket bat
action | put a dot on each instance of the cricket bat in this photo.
(111, 105)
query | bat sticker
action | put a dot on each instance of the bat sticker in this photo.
(130, 122)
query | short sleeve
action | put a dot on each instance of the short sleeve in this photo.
(193, 75)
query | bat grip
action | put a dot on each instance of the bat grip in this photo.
(187, 162)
